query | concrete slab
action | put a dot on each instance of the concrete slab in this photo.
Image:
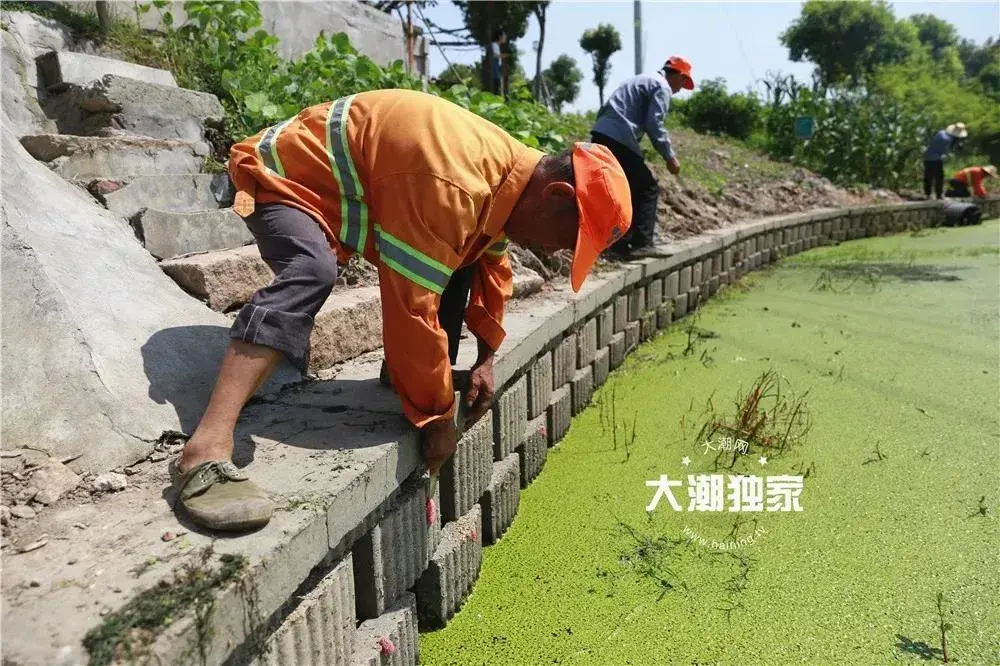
(167, 235)
(452, 571)
(183, 193)
(61, 68)
(224, 279)
(92, 157)
(501, 498)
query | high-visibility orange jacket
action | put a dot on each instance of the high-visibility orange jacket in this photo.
(420, 187)
(973, 178)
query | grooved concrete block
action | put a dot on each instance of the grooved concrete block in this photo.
(390, 558)
(605, 326)
(631, 336)
(636, 303)
(468, 471)
(320, 630)
(617, 349)
(694, 299)
(681, 305)
(727, 260)
(452, 571)
(582, 387)
(696, 274)
(654, 294)
(90, 157)
(61, 68)
(533, 450)
(560, 412)
(671, 285)
(499, 502)
(509, 415)
(647, 325)
(176, 194)
(602, 366)
(167, 235)
(716, 263)
(724, 278)
(621, 312)
(664, 314)
(396, 627)
(713, 285)
(224, 279)
(564, 361)
(798, 245)
(539, 385)
(586, 343)
(685, 281)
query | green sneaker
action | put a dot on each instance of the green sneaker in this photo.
(217, 495)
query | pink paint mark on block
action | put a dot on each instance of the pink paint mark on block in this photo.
(385, 646)
(431, 511)
(473, 535)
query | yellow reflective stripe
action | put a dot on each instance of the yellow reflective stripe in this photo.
(498, 249)
(267, 149)
(353, 210)
(411, 263)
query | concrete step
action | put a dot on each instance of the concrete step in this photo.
(167, 235)
(126, 197)
(224, 280)
(59, 69)
(91, 157)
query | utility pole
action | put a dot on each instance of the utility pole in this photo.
(409, 36)
(638, 37)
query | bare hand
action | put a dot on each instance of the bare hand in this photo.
(439, 439)
(673, 166)
(479, 395)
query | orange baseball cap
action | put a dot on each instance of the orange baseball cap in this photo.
(604, 203)
(679, 64)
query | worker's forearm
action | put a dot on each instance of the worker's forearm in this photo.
(486, 353)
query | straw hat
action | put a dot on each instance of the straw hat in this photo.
(957, 130)
(991, 170)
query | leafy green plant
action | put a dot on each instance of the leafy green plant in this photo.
(712, 109)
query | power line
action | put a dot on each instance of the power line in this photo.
(423, 18)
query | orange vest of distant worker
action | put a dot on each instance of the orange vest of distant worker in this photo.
(973, 178)
(420, 187)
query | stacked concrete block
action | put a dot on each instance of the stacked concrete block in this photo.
(320, 630)
(564, 361)
(581, 388)
(560, 411)
(664, 314)
(636, 303)
(631, 336)
(605, 326)
(727, 260)
(621, 313)
(390, 558)
(680, 306)
(533, 450)
(654, 294)
(586, 343)
(499, 502)
(671, 286)
(602, 365)
(616, 349)
(392, 639)
(467, 473)
(647, 325)
(539, 385)
(452, 571)
(509, 415)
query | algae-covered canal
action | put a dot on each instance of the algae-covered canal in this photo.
(891, 346)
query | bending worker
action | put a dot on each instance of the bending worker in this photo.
(639, 106)
(970, 178)
(940, 146)
(421, 188)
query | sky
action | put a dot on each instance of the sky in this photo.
(737, 41)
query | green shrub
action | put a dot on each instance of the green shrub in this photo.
(712, 110)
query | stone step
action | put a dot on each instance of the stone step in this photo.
(117, 105)
(59, 69)
(224, 279)
(167, 235)
(91, 157)
(126, 197)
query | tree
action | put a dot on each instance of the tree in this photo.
(712, 109)
(562, 77)
(982, 63)
(460, 74)
(601, 43)
(848, 40)
(483, 19)
(539, 10)
(936, 34)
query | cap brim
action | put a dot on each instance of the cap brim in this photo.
(688, 83)
(584, 257)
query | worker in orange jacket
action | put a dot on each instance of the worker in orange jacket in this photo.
(970, 178)
(422, 189)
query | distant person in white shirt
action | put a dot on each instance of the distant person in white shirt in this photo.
(499, 38)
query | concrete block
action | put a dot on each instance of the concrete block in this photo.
(91, 157)
(696, 274)
(617, 349)
(468, 471)
(602, 366)
(526, 282)
(694, 299)
(509, 415)
(636, 303)
(224, 279)
(176, 194)
(61, 68)
(539, 385)
(713, 284)
(119, 106)
(685, 280)
(724, 278)
(586, 343)
(716, 263)
(798, 246)
(349, 324)
(503, 494)
(681, 305)
(664, 314)
(533, 450)
(621, 312)
(397, 627)
(727, 260)
(631, 336)
(582, 388)
(605, 325)
(654, 294)
(647, 325)
(564, 361)
(452, 571)
(671, 284)
(390, 558)
(321, 628)
(167, 235)
(560, 412)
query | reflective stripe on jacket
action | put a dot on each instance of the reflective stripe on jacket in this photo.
(420, 187)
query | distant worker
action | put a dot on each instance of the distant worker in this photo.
(353, 177)
(499, 39)
(971, 177)
(639, 106)
(940, 147)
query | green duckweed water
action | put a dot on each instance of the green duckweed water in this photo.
(899, 355)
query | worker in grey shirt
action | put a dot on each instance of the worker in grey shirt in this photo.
(639, 106)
